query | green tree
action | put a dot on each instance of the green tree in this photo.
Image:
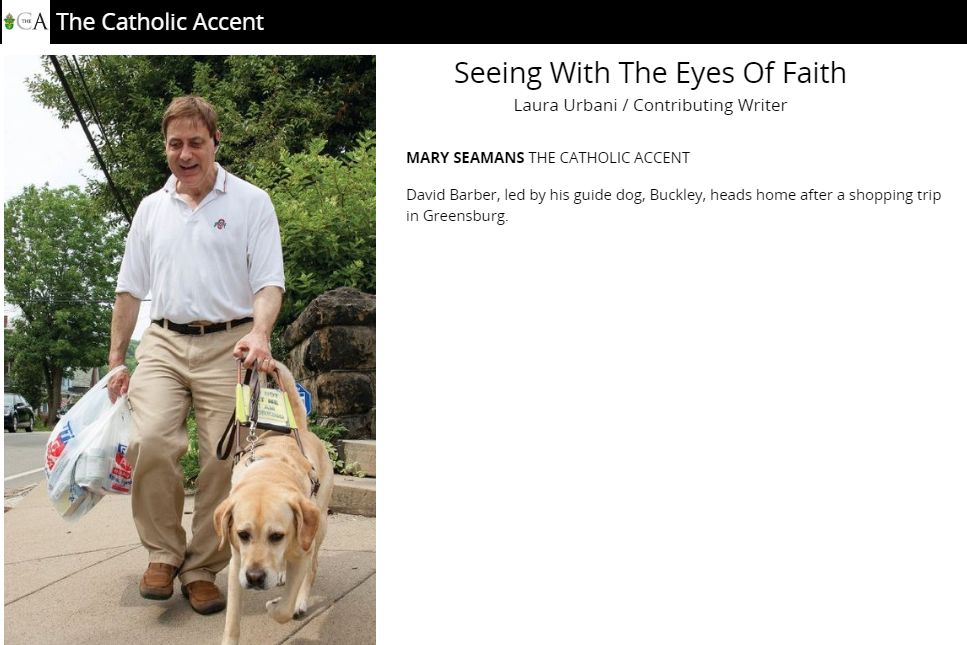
(327, 218)
(266, 105)
(24, 377)
(61, 257)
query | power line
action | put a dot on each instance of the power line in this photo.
(89, 98)
(87, 132)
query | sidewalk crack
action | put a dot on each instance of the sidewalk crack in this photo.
(70, 575)
(307, 620)
(127, 548)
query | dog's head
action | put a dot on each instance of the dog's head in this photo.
(265, 531)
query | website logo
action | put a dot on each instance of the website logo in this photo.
(26, 20)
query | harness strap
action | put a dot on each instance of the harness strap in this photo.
(231, 437)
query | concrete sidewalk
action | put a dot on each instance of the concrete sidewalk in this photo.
(77, 584)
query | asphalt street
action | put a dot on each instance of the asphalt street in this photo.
(23, 459)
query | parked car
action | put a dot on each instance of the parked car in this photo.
(17, 413)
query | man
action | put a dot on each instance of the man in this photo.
(207, 248)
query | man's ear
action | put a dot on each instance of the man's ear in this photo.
(223, 522)
(218, 138)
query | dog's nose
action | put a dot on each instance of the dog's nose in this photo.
(255, 578)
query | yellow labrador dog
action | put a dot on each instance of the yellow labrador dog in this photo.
(275, 519)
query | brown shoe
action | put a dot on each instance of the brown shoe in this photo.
(204, 596)
(158, 581)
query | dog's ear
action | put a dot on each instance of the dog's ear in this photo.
(307, 521)
(223, 522)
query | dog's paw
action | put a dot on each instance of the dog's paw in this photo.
(279, 616)
(301, 607)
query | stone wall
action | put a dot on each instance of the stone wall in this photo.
(333, 354)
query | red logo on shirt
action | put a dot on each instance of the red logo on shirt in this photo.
(220, 224)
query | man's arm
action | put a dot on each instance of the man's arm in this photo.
(255, 344)
(126, 308)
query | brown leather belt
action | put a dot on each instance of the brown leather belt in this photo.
(200, 330)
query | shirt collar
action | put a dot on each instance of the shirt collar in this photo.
(221, 181)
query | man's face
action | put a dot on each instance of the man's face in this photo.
(191, 154)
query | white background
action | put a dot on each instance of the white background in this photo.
(671, 423)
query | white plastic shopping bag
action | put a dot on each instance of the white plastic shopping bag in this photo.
(102, 466)
(86, 452)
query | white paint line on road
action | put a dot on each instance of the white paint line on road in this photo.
(29, 472)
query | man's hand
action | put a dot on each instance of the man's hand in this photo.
(254, 346)
(253, 349)
(118, 384)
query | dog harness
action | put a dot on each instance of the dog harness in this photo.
(268, 410)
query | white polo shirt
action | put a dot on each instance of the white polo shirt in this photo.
(207, 264)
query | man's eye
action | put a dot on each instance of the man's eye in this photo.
(244, 536)
(276, 537)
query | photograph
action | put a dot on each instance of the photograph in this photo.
(190, 348)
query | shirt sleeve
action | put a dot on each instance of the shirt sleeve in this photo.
(265, 248)
(135, 276)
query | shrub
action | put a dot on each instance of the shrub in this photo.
(329, 434)
(327, 219)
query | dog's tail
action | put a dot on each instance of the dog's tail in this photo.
(287, 382)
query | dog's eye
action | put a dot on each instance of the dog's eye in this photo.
(276, 537)
(244, 536)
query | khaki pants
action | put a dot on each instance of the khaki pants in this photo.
(174, 372)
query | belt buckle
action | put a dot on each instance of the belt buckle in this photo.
(200, 328)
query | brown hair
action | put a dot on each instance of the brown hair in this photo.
(194, 108)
